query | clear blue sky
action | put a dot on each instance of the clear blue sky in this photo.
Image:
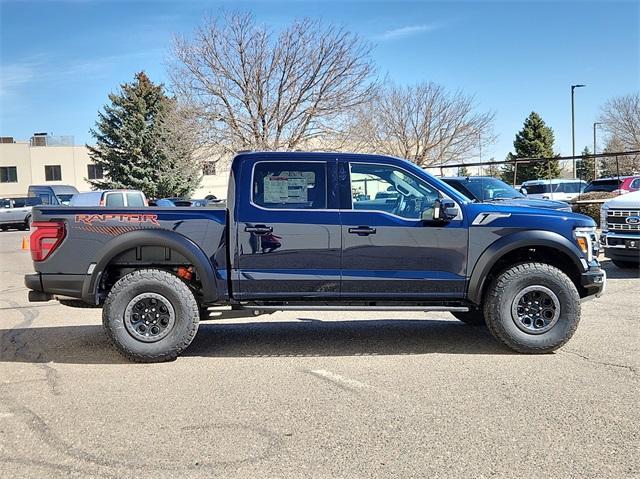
(59, 60)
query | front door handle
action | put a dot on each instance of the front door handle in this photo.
(259, 229)
(362, 231)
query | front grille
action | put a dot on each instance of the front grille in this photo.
(617, 220)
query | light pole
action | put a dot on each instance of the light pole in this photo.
(595, 144)
(573, 128)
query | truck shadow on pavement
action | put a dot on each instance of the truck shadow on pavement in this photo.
(613, 272)
(302, 338)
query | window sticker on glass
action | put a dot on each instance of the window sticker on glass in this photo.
(285, 189)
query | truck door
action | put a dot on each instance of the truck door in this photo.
(287, 230)
(388, 251)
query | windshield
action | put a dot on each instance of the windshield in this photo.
(490, 189)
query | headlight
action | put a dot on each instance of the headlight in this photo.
(604, 210)
(566, 209)
(587, 241)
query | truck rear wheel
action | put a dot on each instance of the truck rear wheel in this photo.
(472, 318)
(150, 315)
(532, 308)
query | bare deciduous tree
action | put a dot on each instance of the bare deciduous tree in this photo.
(182, 150)
(620, 117)
(254, 89)
(618, 164)
(423, 123)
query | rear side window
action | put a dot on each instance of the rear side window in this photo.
(290, 185)
(115, 199)
(603, 185)
(135, 199)
(538, 189)
(19, 202)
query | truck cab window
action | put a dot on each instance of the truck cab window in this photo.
(115, 200)
(286, 185)
(391, 190)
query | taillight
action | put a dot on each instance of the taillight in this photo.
(45, 238)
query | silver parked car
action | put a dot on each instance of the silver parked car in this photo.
(16, 212)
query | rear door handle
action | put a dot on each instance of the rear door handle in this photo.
(259, 229)
(362, 231)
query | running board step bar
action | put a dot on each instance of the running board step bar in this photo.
(287, 307)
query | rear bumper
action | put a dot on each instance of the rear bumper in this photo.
(594, 281)
(69, 285)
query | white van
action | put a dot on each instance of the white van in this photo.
(110, 198)
(558, 189)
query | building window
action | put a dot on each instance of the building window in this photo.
(52, 173)
(94, 172)
(209, 168)
(8, 174)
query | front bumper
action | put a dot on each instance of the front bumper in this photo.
(594, 281)
(621, 246)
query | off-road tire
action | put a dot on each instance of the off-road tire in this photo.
(503, 291)
(472, 318)
(175, 291)
(626, 264)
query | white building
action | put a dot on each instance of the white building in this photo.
(55, 160)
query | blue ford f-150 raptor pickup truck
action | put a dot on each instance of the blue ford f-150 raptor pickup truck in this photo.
(301, 232)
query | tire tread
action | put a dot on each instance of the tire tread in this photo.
(494, 297)
(179, 287)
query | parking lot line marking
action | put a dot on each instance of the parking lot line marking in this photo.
(337, 379)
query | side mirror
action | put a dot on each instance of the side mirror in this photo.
(443, 210)
(523, 190)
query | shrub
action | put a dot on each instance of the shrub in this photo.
(591, 209)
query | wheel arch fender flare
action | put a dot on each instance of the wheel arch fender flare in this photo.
(521, 239)
(165, 238)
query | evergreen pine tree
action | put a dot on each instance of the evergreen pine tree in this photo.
(535, 140)
(132, 143)
(463, 171)
(584, 166)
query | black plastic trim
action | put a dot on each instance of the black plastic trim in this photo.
(506, 244)
(33, 281)
(168, 239)
(63, 284)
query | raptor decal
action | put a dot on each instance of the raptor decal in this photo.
(133, 218)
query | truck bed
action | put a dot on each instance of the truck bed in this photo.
(94, 233)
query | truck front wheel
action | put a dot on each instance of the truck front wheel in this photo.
(532, 308)
(150, 315)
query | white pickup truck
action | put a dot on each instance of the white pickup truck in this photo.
(16, 213)
(620, 224)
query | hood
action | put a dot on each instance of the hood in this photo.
(532, 217)
(629, 200)
(535, 203)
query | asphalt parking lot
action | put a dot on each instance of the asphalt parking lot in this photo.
(317, 395)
